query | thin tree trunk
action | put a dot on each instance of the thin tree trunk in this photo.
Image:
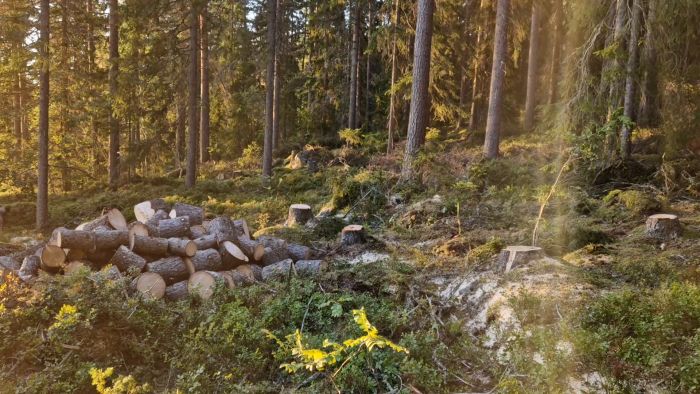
(193, 101)
(498, 70)
(368, 74)
(113, 74)
(180, 130)
(277, 87)
(204, 87)
(42, 196)
(420, 95)
(556, 54)
(476, 85)
(649, 111)
(630, 91)
(532, 67)
(90, 9)
(392, 93)
(270, 82)
(614, 95)
(17, 114)
(354, 55)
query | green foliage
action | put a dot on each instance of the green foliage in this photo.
(351, 137)
(635, 201)
(362, 191)
(120, 384)
(251, 157)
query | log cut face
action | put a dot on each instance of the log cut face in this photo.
(514, 256)
(195, 214)
(202, 284)
(145, 210)
(150, 286)
(299, 214)
(353, 234)
(663, 226)
(52, 258)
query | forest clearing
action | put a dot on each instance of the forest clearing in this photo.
(429, 196)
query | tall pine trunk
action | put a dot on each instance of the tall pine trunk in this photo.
(392, 94)
(553, 95)
(476, 85)
(17, 114)
(354, 66)
(420, 95)
(113, 74)
(42, 195)
(631, 72)
(180, 130)
(532, 67)
(650, 103)
(368, 71)
(193, 100)
(614, 95)
(270, 82)
(498, 70)
(204, 86)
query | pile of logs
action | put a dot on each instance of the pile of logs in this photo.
(172, 251)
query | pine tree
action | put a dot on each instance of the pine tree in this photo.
(114, 154)
(193, 101)
(493, 122)
(42, 196)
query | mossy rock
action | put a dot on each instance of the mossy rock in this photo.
(20, 213)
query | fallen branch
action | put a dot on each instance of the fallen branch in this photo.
(546, 200)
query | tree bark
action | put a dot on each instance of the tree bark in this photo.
(172, 269)
(630, 91)
(650, 103)
(614, 97)
(180, 130)
(42, 196)
(125, 259)
(553, 96)
(420, 95)
(194, 213)
(204, 260)
(476, 82)
(193, 101)
(354, 65)
(270, 93)
(533, 67)
(392, 94)
(204, 86)
(498, 70)
(114, 155)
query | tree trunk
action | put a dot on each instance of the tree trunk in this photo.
(204, 260)
(125, 259)
(42, 196)
(476, 85)
(420, 95)
(269, 86)
(17, 114)
(630, 91)
(180, 130)
(368, 70)
(114, 154)
(392, 94)
(618, 39)
(650, 105)
(172, 269)
(553, 96)
(204, 86)
(532, 67)
(354, 66)
(277, 91)
(498, 70)
(193, 88)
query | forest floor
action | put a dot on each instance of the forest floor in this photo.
(607, 310)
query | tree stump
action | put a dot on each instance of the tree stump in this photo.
(231, 255)
(353, 234)
(310, 267)
(203, 283)
(52, 258)
(278, 270)
(110, 239)
(30, 268)
(204, 260)
(125, 259)
(172, 269)
(148, 245)
(74, 239)
(663, 226)
(177, 291)
(171, 228)
(195, 214)
(150, 286)
(182, 247)
(512, 256)
(145, 210)
(298, 215)
(298, 252)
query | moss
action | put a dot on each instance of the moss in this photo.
(486, 250)
(20, 214)
(635, 201)
(296, 234)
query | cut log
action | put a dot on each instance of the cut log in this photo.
(206, 242)
(75, 266)
(513, 256)
(100, 258)
(111, 239)
(9, 263)
(224, 229)
(138, 228)
(298, 252)
(194, 213)
(275, 250)
(248, 274)
(182, 247)
(353, 234)
(177, 227)
(204, 260)
(150, 286)
(177, 291)
(145, 210)
(197, 231)
(172, 269)
(278, 270)
(231, 255)
(152, 223)
(228, 278)
(101, 223)
(110, 272)
(253, 249)
(309, 267)
(52, 258)
(663, 226)
(148, 245)
(243, 226)
(116, 219)
(203, 283)
(74, 239)
(30, 268)
(75, 255)
(126, 260)
(299, 214)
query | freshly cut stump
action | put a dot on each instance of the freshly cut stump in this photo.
(177, 227)
(279, 270)
(177, 291)
(353, 234)
(150, 285)
(298, 252)
(231, 255)
(195, 214)
(299, 214)
(125, 259)
(172, 269)
(309, 267)
(513, 256)
(148, 245)
(664, 226)
(74, 239)
(30, 268)
(110, 239)
(182, 247)
(145, 210)
(52, 258)
(203, 283)
(204, 260)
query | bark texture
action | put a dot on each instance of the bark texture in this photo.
(498, 71)
(42, 195)
(204, 86)
(533, 67)
(630, 85)
(270, 82)
(193, 100)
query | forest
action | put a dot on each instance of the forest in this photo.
(390, 196)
